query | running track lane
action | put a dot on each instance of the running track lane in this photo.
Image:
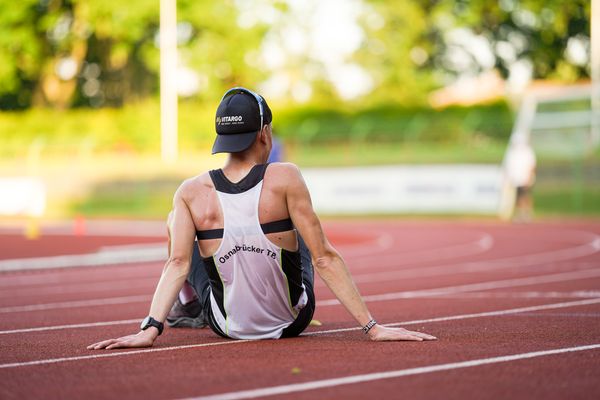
(235, 366)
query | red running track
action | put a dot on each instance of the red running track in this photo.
(516, 309)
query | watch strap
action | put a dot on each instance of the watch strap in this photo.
(149, 321)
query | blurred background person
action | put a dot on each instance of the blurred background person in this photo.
(520, 170)
(277, 151)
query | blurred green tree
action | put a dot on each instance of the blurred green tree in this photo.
(553, 36)
(60, 53)
(394, 50)
(222, 48)
(64, 53)
(415, 44)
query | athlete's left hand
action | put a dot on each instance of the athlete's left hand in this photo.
(140, 339)
(381, 333)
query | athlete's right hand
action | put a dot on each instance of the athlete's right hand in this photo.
(381, 333)
(141, 339)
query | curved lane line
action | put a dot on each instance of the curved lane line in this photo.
(430, 320)
(488, 285)
(106, 257)
(142, 253)
(115, 255)
(526, 260)
(472, 287)
(589, 247)
(82, 288)
(481, 245)
(518, 310)
(353, 379)
(73, 326)
(380, 242)
(74, 304)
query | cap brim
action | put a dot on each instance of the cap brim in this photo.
(233, 143)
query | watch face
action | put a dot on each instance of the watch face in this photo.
(145, 322)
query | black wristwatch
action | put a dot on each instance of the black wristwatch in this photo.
(149, 321)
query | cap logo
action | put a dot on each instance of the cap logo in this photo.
(230, 120)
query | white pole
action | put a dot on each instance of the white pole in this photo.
(595, 64)
(168, 90)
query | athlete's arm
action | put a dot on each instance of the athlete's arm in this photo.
(175, 272)
(329, 264)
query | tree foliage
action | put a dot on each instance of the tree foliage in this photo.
(70, 53)
(427, 43)
(64, 53)
(539, 31)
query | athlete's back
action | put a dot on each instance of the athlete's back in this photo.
(200, 195)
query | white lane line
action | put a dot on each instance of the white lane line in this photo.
(381, 241)
(439, 319)
(158, 253)
(403, 323)
(473, 287)
(553, 256)
(74, 304)
(138, 255)
(132, 281)
(57, 278)
(146, 284)
(485, 265)
(565, 315)
(353, 379)
(581, 294)
(105, 227)
(144, 252)
(481, 245)
(475, 315)
(121, 353)
(73, 326)
(441, 291)
(591, 245)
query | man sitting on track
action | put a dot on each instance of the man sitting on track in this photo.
(256, 278)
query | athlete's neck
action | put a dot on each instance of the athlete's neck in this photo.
(239, 164)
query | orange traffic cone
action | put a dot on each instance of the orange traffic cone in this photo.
(79, 226)
(32, 229)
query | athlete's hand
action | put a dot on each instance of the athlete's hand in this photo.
(141, 339)
(380, 333)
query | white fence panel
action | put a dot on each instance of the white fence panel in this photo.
(22, 196)
(406, 189)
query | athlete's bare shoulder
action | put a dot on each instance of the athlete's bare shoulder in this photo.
(194, 186)
(284, 172)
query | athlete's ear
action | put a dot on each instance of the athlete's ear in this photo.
(264, 133)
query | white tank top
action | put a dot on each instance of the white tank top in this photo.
(255, 290)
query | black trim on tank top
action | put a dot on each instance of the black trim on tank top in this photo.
(282, 225)
(291, 264)
(216, 284)
(224, 185)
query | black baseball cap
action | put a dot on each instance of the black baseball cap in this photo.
(238, 120)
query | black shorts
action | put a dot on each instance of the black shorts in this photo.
(523, 191)
(198, 278)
